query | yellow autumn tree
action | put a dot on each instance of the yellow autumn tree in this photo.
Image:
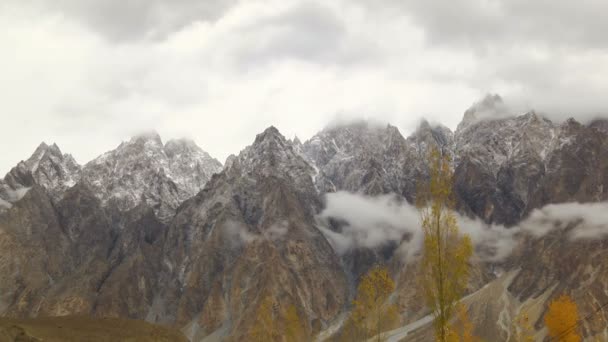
(522, 330)
(561, 320)
(264, 329)
(462, 328)
(372, 313)
(295, 331)
(444, 266)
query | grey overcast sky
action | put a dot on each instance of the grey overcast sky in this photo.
(87, 74)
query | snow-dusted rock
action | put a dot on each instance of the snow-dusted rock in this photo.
(144, 169)
(47, 167)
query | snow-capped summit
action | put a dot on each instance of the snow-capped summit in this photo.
(362, 157)
(273, 155)
(145, 169)
(47, 167)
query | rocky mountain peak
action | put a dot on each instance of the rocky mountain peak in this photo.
(269, 134)
(142, 168)
(571, 124)
(43, 151)
(600, 125)
(490, 107)
(296, 141)
(273, 155)
(149, 138)
(427, 135)
(48, 168)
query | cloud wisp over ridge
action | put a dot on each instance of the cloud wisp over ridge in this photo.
(371, 222)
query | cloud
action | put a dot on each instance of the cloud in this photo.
(221, 71)
(118, 20)
(238, 233)
(9, 196)
(4, 204)
(13, 196)
(371, 222)
(482, 23)
(584, 220)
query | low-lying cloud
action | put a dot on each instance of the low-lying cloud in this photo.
(12, 196)
(371, 222)
(586, 220)
(238, 233)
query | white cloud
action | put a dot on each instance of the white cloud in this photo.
(4, 204)
(371, 222)
(586, 220)
(238, 233)
(87, 74)
(374, 221)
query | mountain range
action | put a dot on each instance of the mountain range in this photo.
(167, 234)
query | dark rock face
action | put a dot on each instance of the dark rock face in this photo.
(32, 243)
(576, 168)
(73, 260)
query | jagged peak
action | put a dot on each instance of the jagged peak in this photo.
(425, 127)
(533, 116)
(600, 125)
(42, 150)
(296, 140)
(491, 106)
(44, 147)
(571, 123)
(490, 100)
(269, 133)
(147, 137)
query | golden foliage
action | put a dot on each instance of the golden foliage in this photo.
(264, 329)
(522, 328)
(444, 267)
(372, 314)
(462, 329)
(295, 331)
(561, 319)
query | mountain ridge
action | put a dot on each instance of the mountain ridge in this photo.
(165, 233)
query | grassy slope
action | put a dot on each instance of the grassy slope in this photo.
(71, 328)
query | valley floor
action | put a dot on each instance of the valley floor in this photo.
(74, 328)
